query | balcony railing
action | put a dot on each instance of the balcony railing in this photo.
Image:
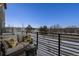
(57, 44)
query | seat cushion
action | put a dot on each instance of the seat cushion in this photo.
(12, 50)
(24, 44)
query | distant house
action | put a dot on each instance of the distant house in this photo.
(35, 30)
(14, 30)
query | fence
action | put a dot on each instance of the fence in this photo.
(57, 44)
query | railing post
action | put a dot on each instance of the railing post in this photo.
(58, 44)
(37, 40)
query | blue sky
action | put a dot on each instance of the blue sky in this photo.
(42, 14)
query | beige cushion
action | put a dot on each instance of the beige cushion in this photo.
(24, 43)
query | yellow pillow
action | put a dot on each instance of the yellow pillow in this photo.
(27, 39)
(12, 43)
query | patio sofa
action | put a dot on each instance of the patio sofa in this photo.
(15, 49)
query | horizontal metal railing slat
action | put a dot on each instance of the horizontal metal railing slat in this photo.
(69, 46)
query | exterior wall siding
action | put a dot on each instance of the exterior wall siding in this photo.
(2, 19)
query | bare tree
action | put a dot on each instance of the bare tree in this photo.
(28, 29)
(43, 30)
